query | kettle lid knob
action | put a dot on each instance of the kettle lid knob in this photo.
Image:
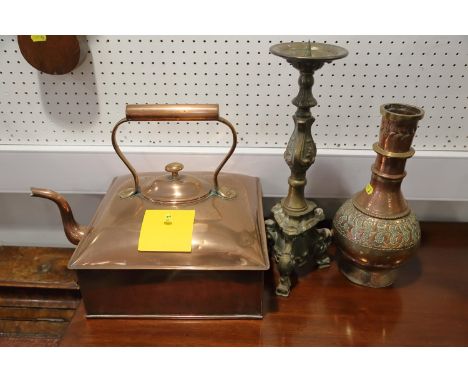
(174, 168)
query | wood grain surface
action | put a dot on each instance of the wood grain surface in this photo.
(38, 295)
(31, 267)
(428, 306)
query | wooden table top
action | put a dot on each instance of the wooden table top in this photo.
(428, 306)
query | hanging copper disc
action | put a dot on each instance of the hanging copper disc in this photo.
(53, 54)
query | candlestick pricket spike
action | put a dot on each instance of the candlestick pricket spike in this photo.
(292, 232)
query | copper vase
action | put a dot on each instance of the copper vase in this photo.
(375, 231)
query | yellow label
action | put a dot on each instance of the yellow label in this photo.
(39, 38)
(167, 231)
(369, 189)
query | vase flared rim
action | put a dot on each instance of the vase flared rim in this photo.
(401, 111)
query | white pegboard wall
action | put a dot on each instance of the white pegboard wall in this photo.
(254, 90)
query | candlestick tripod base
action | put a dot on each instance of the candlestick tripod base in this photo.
(295, 241)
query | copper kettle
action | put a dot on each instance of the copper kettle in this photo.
(228, 236)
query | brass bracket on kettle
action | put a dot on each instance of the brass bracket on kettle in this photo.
(179, 112)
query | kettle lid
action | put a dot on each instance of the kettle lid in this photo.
(173, 188)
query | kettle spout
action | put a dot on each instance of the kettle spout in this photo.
(73, 230)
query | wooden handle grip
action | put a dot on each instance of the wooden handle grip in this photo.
(182, 112)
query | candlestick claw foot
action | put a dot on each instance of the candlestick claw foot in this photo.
(293, 244)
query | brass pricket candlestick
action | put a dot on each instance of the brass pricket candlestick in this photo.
(292, 232)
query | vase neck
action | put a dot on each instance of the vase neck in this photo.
(382, 197)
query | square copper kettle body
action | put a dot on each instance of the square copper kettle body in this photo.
(221, 278)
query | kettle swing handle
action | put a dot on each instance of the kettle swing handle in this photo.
(179, 112)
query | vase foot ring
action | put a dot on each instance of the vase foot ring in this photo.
(372, 278)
